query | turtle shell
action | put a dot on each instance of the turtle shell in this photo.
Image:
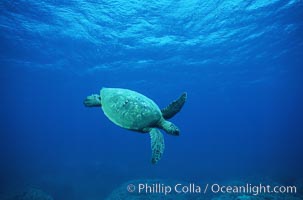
(129, 109)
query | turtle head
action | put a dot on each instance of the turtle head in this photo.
(93, 100)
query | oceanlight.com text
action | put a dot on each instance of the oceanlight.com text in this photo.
(193, 188)
(252, 189)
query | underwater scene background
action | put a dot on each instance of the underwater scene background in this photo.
(240, 62)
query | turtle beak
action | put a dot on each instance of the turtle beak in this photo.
(86, 102)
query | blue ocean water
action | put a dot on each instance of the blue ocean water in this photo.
(240, 63)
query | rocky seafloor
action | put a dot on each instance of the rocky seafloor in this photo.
(157, 189)
(31, 194)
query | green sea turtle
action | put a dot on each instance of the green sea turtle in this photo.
(134, 111)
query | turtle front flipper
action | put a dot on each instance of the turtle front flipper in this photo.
(157, 145)
(174, 107)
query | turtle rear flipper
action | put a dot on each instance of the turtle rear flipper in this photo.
(174, 107)
(157, 145)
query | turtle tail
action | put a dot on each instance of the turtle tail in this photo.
(174, 107)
